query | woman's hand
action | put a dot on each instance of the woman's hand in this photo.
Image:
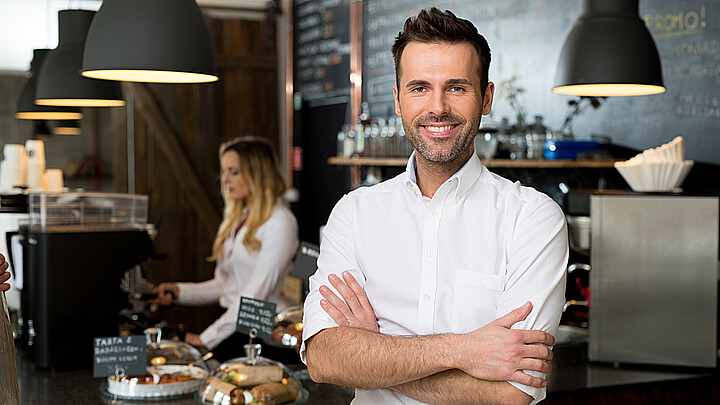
(355, 311)
(166, 294)
(194, 339)
(4, 274)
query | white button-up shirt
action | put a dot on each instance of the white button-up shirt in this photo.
(481, 247)
(242, 273)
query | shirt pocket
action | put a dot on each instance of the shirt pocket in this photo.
(475, 300)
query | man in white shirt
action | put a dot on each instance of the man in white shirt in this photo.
(465, 270)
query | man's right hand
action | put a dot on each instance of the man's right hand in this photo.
(497, 353)
(166, 294)
(355, 311)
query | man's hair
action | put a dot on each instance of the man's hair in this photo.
(435, 26)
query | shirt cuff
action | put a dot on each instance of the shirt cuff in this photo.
(210, 339)
(183, 293)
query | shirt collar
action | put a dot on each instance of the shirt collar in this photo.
(466, 176)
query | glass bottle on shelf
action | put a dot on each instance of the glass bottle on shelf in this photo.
(368, 140)
(517, 145)
(536, 138)
(340, 151)
(392, 138)
(374, 149)
(359, 138)
(383, 145)
(365, 113)
(349, 144)
(504, 131)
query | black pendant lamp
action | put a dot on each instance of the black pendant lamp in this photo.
(609, 52)
(41, 130)
(60, 82)
(69, 127)
(159, 41)
(26, 107)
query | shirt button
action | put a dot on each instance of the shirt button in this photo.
(457, 196)
(430, 253)
(434, 213)
(427, 297)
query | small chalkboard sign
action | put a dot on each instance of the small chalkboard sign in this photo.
(305, 263)
(256, 315)
(119, 355)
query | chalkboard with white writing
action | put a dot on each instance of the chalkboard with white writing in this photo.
(120, 355)
(322, 50)
(526, 37)
(256, 315)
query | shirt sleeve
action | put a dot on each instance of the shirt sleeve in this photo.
(337, 254)
(536, 272)
(279, 237)
(203, 293)
(221, 328)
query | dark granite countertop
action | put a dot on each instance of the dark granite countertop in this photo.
(41, 386)
(571, 371)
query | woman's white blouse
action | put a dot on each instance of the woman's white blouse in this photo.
(241, 273)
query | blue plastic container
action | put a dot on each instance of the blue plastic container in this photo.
(568, 149)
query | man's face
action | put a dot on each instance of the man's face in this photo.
(439, 99)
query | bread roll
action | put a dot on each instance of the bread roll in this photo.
(245, 376)
(276, 393)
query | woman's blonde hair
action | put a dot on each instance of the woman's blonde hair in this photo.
(265, 185)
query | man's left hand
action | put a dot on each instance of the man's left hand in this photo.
(355, 311)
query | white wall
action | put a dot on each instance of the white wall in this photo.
(29, 24)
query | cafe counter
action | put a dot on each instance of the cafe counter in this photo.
(573, 378)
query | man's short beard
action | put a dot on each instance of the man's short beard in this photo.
(458, 149)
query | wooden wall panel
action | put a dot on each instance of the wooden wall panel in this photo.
(178, 130)
(118, 119)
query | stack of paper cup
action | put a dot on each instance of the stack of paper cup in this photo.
(53, 180)
(13, 167)
(35, 151)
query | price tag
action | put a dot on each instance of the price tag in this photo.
(121, 355)
(258, 315)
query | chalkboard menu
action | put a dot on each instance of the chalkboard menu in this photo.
(256, 317)
(526, 37)
(119, 356)
(322, 51)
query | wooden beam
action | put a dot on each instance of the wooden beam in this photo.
(120, 163)
(289, 90)
(167, 140)
(246, 62)
(356, 23)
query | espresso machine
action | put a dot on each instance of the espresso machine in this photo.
(76, 249)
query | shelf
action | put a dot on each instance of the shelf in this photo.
(368, 161)
(499, 163)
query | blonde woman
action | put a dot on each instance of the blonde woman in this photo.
(253, 249)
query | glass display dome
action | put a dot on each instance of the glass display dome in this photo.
(288, 328)
(174, 369)
(252, 380)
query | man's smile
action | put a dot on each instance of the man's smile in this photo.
(440, 130)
